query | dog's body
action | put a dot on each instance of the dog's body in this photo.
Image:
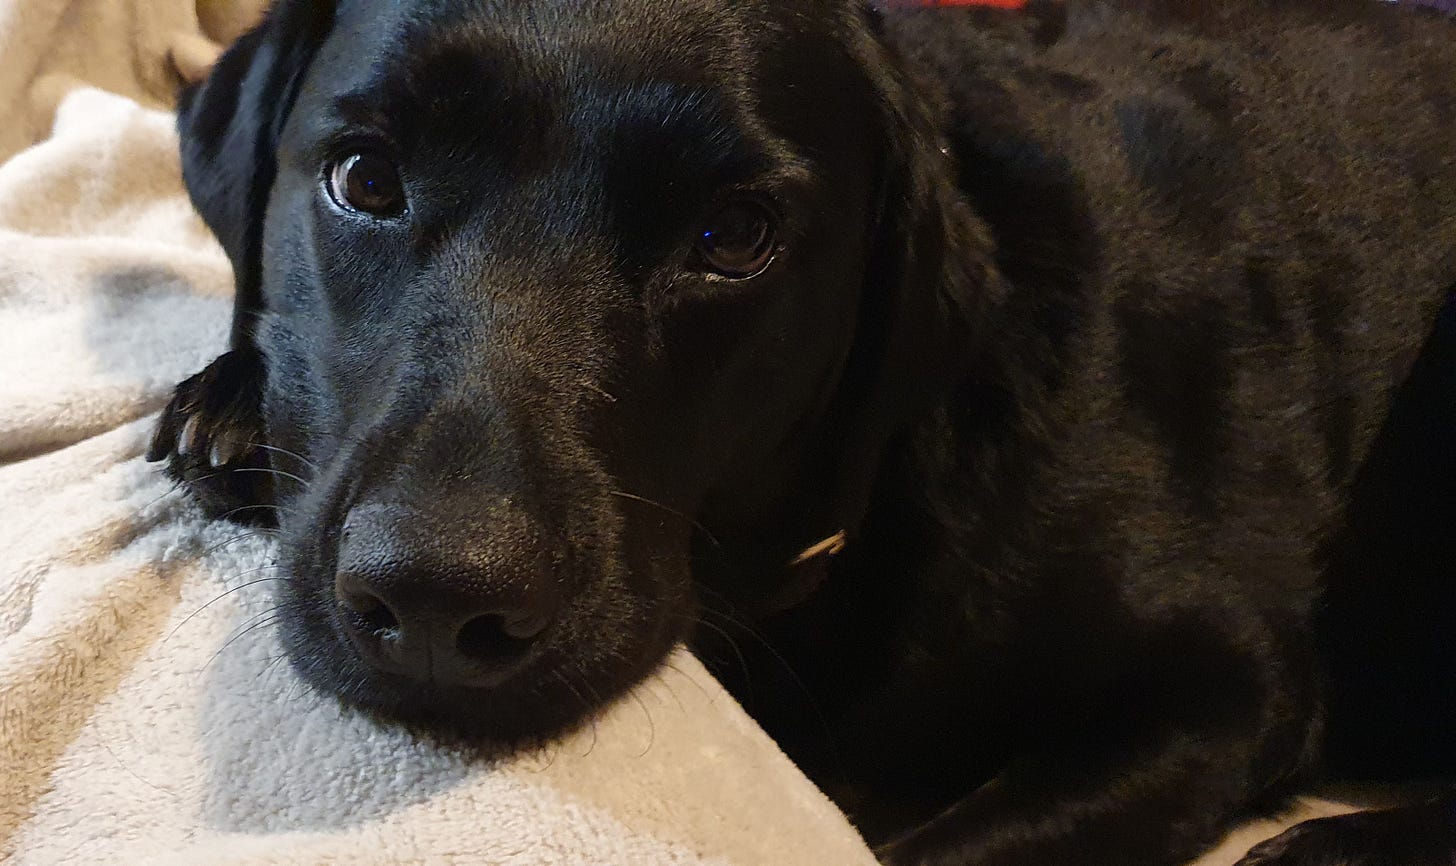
(1079, 327)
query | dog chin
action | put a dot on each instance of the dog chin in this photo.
(508, 716)
(548, 699)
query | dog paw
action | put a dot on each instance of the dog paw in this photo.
(210, 436)
(1411, 836)
(1305, 843)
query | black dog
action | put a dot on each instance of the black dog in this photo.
(986, 385)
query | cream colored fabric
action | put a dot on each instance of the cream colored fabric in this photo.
(143, 717)
(142, 720)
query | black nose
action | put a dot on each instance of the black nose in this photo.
(447, 602)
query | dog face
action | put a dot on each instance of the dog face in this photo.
(559, 305)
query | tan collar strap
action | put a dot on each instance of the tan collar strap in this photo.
(811, 566)
(828, 547)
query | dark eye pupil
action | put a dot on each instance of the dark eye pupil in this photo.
(368, 184)
(738, 241)
(738, 230)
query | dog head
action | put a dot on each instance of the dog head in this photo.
(568, 313)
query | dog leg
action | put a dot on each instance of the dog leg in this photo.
(1131, 783)
(1420, 835)
(1056, 808)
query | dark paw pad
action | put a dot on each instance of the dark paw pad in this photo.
(1412, 836)
(211, 435)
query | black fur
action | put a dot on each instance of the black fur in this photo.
(1083, 327)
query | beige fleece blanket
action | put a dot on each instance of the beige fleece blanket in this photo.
(146, 715)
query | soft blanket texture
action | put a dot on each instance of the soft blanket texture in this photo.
(145, 713)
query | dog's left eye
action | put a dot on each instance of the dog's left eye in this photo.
(739, 240)
(367, 183)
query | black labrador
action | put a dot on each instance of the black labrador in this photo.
(979, 392)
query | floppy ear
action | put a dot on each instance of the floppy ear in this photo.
(229, 126)
(930, 281)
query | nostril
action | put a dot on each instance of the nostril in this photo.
(369, 613)
(492, 637)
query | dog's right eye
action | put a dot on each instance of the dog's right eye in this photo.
(367, 184)
(738, 241)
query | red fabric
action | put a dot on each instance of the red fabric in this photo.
(994, 4)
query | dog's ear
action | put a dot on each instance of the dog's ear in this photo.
(930, 281)
(229, 127)
(930, 284)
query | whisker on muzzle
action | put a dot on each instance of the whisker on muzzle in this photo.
(263, 620)
(259, 505)
(271, 471)
(670, 510)
(287, 453)
(563, 674)
(222, 596)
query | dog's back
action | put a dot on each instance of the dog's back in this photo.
(1274, 187)
(1230, 224)
(1226, 228)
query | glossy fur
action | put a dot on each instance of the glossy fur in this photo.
(1084, 325)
